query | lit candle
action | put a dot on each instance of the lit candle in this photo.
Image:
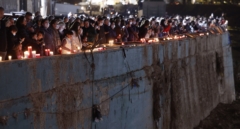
(143, 40)
(111, 42)
(100, 49)
(9, 57)
(33, 54)
(37, 55)
(29, 48)
(156, 40)
(30, 51)
(123, 44)
(68, 52)
(150, 41)
(60, 50)
(46, 52)
(104, 45)
(78, 49)
(26, 54)
(74, 51)
(51, 53)
(0, 58)
(207, 33)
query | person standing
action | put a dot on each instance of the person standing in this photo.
(100, 31)
(3, 35)
(89, 32)
(53, 29)
(48, 37)
(67, 43)
(76, 37)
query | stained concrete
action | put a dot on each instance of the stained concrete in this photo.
(180, 82)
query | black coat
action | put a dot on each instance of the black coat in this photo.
(13, 41)
(22, 33)
(101, 35)
(48, 39)
(3, 36)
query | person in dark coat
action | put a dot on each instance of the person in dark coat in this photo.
(106, 29)
(53, 29)
(40, 43)
(88, 32)
(118, 29)
(100, 31)
(22, 31)
(13, 41)
(143, 30)
(112, 32)
(48, 37)
(3, 35)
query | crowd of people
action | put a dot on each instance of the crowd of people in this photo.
(73, 34)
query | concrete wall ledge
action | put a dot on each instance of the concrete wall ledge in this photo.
(180, 82)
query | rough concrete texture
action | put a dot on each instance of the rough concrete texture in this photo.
(180, 82)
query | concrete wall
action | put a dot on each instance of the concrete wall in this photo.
(180, 82)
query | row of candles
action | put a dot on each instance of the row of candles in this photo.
(33, 54)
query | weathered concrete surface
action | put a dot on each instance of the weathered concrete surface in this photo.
(180, 82)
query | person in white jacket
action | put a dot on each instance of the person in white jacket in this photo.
(76, 38)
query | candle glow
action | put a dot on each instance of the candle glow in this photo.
(111, 42)
(9, 57)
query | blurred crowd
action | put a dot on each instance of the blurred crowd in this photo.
(71, 34)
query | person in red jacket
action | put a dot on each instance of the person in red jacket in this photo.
(168, 27)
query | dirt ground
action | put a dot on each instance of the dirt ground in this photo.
(224, 116)
(227, 116)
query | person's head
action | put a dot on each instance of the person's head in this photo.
(69, 34)
(78, 20)
(61, 26)
(82, 23)
(100, 21)
(50, 18)
(37, 13)
(86, 23)
(65, 19)
(76, 28)
(21, 21)
(146, 24)
(13, 29)
(106, 22)
(112, 25)
(39, 21)
(45, 23)
(34, 36)
(11, 20)
(1, 12)
(28, 16)
(40, 35)
(54, 24)
(130, 21)
(128, 24)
